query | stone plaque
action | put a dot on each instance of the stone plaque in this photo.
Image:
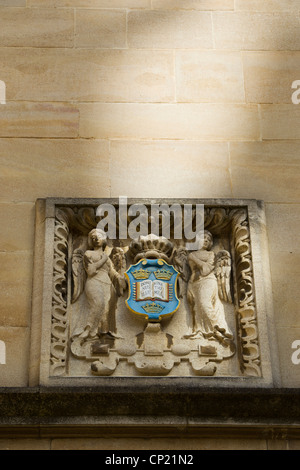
(107, 306)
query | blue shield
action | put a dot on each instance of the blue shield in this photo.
(152, 289)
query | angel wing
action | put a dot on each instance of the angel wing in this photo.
(78, 272)
(180, 263)
(119, 260)
(223, 272)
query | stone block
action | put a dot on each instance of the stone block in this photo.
(169, 121)
(88, 75)
(269, 76)
(18, 230)
(268, 170)
(100, 28)
(15, 288)
(32, 27)
(15, 372)
(267, 5)
(136, 4)
(12, 3)
(27, 119)
(163, 29)
(33, 168)
(207, 172)
(209, 76)
(283, 221)
(193, 5)
(256, 30)
(280, 121)
(285, 271)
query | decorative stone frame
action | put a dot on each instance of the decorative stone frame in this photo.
(244, 219)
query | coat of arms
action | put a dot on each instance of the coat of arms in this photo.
(152, 289)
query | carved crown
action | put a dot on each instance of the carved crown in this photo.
(164, 274)
(141, 273)
(153, 308)
(151, 246)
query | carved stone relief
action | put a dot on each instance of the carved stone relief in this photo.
(149, 306)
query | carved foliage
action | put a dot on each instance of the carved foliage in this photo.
(246, 309)
(59, 321)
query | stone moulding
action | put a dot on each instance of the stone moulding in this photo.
(62, 225)
(48, 412)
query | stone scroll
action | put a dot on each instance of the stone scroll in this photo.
(152, 306)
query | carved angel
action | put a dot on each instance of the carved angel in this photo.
(209, 284)
(94, 272)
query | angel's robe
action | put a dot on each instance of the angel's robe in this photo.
(209, 315)
(98, 290)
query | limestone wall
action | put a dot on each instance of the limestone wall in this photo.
(148, 98)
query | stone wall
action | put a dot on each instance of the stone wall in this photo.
(148, 98)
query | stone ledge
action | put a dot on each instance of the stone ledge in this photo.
(163, 411)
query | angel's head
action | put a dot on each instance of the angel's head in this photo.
(207, 240)
(97, 239)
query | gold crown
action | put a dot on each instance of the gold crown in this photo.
(141, 273)
(164, 274)
(153, 308)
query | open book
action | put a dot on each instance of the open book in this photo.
(146, 290)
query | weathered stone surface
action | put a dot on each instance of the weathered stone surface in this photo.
(267, 5)
(281, 238)
(25, 119)
(136, 4)
(53, 74)
(193, 5)
(163, 29)
(285, 271)
(256, 30)
(280, 121)
(170, 156)
(15, 289)
(31, 167)
(258, 169)
(13, 3)
(19, 235)
(103, 28)
(269, 76)
(212, 76)
(14, 373)
(170, 121)
(33, 27)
